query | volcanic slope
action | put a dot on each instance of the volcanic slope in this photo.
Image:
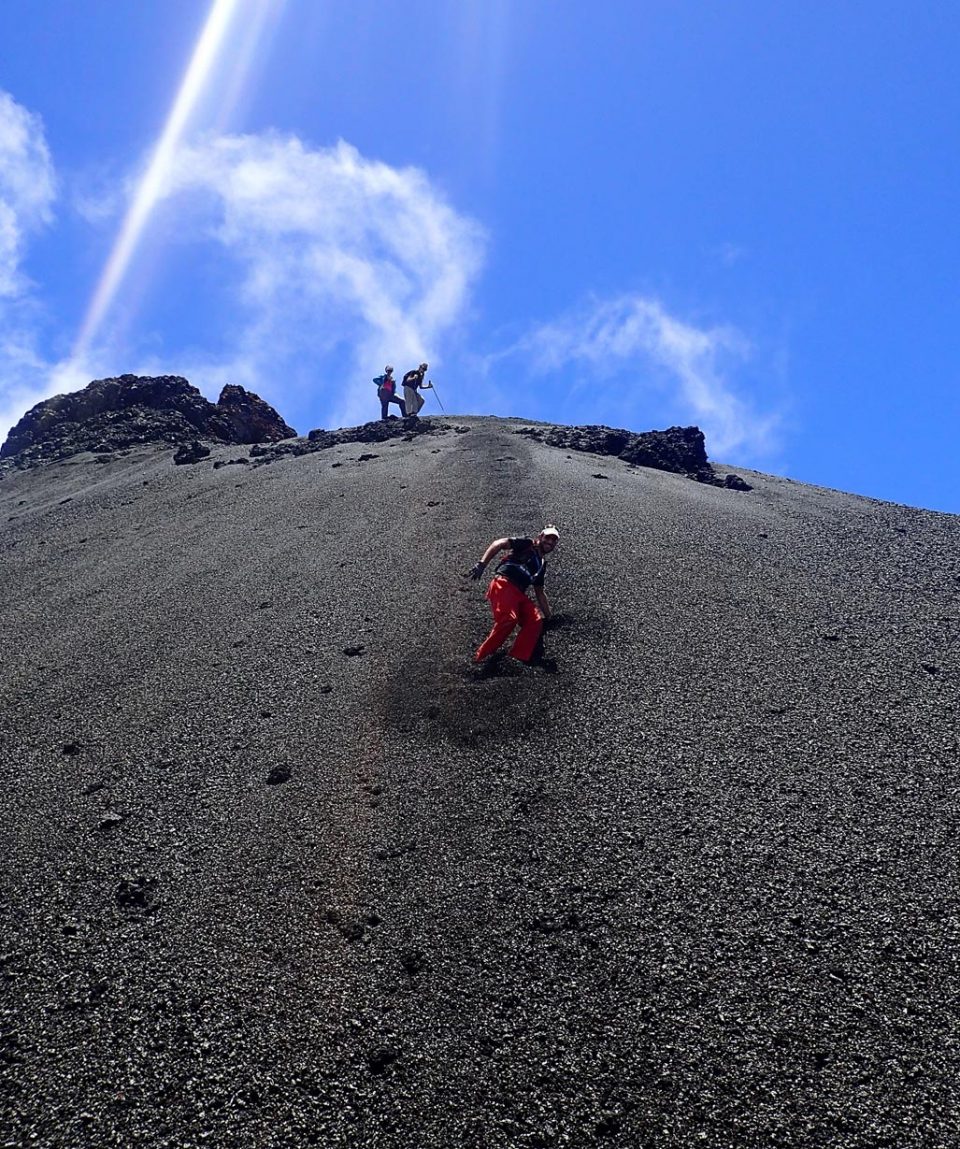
(281, 869)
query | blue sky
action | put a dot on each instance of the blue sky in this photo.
(741, 215)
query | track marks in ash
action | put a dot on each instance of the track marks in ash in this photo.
(487, 487)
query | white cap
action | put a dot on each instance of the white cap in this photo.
(550, 532)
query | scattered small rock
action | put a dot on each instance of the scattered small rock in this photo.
(555, 923)
(364, 457)
(70, 749)
(190, 453)
(353, 651)
(110, 820)
(388, 852)
(413, 962)
(609, 1124)
(347, 924)
(380, 1060)
(137, 893)
(279, 774)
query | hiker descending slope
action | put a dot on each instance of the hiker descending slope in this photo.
(411, 381)
(524, 566)
(387, 392)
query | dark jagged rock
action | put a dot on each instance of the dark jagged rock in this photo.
(680, 450)
(111, 415)
(380, 1060)
(378, 431)
(190, 453)
(252, 420)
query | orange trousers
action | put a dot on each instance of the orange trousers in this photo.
(511, 606)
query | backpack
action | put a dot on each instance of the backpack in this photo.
(524, 561)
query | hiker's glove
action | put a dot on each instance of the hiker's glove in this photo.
(476, 570)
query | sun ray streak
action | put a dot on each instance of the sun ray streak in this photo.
(198, 72)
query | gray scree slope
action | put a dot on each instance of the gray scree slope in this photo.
(697, 887)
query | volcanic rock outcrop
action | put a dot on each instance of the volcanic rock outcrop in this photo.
(252, 420)
(116, 414)
(681, 450)
(376, 431)
(128, 411)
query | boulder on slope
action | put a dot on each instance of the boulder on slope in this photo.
(252, 419)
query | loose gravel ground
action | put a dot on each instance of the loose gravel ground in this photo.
(281, 869)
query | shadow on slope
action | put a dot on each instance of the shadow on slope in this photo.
(489, 488)
(466, 705)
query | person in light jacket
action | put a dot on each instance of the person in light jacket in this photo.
(411, 382)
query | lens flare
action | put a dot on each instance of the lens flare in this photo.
(195, 80)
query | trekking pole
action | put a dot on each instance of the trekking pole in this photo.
(434, 390)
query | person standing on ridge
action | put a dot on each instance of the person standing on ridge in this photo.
(411, 381)
(387, 393)
(524, 566)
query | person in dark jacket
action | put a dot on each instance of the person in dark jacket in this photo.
(387, 393)
(411, 382)
(524, 566)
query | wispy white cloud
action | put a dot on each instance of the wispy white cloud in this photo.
(630, 351)
(338, 264)
(342, 260)
(28, 189)
(335, 264)
(728, 254)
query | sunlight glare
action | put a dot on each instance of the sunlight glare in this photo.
(198, 72)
